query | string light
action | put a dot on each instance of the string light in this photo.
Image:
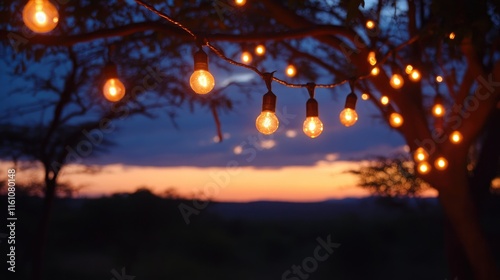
(438, 108)
(372, 58)
(441, 163)
(113, 88)
(40, 16)
(420, 154)
(395, 120)
(415, 75)
(240, 2)
(439, 79)
(408, 69)
(246, 57)
(365, 96)
(267, 122)
(313, 126)
(348, 116)
(456, 137)
(370, 24)
(384, 100)
(375, 71)
(291, 71)
(423, 167)
(260, 50)
(396, 81)
(201, 81)
(452, 35)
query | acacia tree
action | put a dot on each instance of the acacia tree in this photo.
(457, 40)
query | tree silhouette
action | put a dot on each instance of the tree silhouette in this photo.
(457, 40)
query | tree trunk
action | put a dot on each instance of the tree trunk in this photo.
(41, 237)
(461, 213)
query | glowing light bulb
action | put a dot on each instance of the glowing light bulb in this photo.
(201, 81)
(260, 50)
(420, 154)
(40, 16)
(456, 137)
(441, 163)
(267, 122)
(438, 110)
(396, 120)
(384, 100)
(365, 96)
(240, 2)
(423, 167)
(439, 79)
(408, 69)
(452, 35)
(370, 24)
(246, 57)
(113, 90)
(312, 127)
(397, 81)
(291, 71)
(415, 75)
(375, 71)
(348, 117)
(372, 58)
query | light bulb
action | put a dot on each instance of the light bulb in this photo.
(240, 2)
(415, 75)
(40, 16)
(384, 100)
(408, 69)
(348, 117)
(202, 82)
(291, 71)
(365, 96)
(423, 167)
(441, 163)
(260, 50)
(439, 79)
(420, 154)
(397, 81)
(246, 57)
(312, 127)
(113, 90)
(267, 122)
(375, 71)
(452, 35)
(372, 58)
(370, 24)
(396, 120)
(456, 137)
(438, 110)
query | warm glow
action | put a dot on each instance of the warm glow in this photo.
(240, 2)
(348, 117)
(415, 75)
(420, 154)
(384, 100)
(456, 137)
(397, 81)
(372, 59)
(246, 57)
(375, 71)
(365, 96)
(291, 71)
(202, 81)
(438, 110)
(439, 79)
(313, 127)
(423, 167)
(452, 35)
(408, 69)
(370, 24)
(260, 50)
(441, 163)
(113, 90)
(267, 122)
(40, 16)
(396, 120)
